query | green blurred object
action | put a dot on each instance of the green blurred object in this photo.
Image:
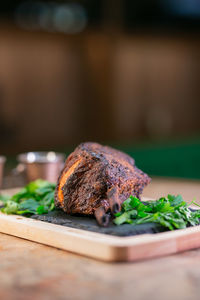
(175, 160)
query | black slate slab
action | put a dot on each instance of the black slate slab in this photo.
(88, 223)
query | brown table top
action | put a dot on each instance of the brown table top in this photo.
(32, 271)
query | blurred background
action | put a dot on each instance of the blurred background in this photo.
(120, 72)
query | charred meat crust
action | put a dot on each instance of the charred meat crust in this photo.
(89, 175)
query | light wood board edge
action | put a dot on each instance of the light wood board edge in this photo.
(101, 246)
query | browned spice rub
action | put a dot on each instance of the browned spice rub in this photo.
(96, 180)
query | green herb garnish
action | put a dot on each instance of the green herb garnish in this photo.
(171, 212)
(37, 198)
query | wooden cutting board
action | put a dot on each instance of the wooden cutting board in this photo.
(98, 245)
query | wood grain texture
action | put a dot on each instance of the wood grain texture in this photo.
(101, 246)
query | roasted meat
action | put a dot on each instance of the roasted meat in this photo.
(96, 180)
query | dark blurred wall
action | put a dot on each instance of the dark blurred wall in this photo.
(56, 90)
(110, 71)
(157, 86)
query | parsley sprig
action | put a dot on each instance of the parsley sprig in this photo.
(171, 212)
(37, 197)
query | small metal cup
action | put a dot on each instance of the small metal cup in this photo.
(2, 162)
(44, 165)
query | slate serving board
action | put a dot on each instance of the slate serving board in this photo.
(88, 223)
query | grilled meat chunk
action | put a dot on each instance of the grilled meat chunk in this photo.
(96, 180)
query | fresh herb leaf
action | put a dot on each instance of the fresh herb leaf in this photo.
(30, 205)
(171, 212)
(11, 207)
(37, 197)
(125, 217)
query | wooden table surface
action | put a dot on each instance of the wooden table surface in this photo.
(30, 271)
